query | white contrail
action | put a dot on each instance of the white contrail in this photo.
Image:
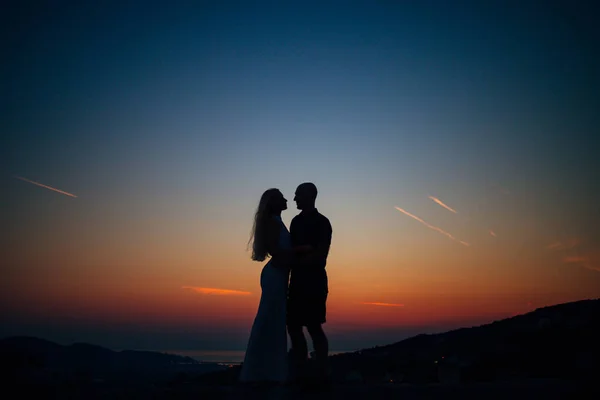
(435, 228)
(441, 203)
(45, 186)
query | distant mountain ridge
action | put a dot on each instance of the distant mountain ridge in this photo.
(33, 359)
(555, 342)
(54, 354)
(559, 341)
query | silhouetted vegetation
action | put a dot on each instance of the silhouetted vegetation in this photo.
(552, 342)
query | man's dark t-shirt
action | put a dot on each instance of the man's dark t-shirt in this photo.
(310, 228)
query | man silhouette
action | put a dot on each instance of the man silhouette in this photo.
(308, 289)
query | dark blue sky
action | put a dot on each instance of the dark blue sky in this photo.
(90, 81)
(176, 110)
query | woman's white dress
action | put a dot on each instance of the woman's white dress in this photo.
(266, 354)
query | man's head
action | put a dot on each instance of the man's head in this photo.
(305, 196)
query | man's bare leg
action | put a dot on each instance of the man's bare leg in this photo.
(299, 351)
(321, 346)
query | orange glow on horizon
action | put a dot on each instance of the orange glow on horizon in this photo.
(387, 275)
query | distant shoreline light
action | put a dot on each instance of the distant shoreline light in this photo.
(223, 356)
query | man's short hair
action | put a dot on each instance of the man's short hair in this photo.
(310, 188)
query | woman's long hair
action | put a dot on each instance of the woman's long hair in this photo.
(258, 236)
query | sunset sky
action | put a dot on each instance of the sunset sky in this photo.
(455, 149)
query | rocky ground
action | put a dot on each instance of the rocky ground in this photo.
(506, 390)
(531, 389)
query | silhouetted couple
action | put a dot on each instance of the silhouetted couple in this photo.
(298, 256)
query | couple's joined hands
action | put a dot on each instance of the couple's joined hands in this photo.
(303, 249)
(289, 256)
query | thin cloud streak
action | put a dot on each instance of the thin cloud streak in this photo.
(575, 259)
(493, 233)
(435, 228)
(566, 245)
(382, 304)
(585, 262)
(45, 186)
(554, 246)
(590, 267)
(441, 203)
(216, 291)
